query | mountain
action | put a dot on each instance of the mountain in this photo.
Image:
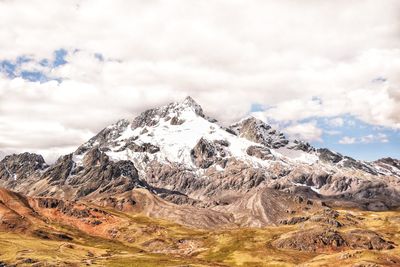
(180, 154)
(177, 164)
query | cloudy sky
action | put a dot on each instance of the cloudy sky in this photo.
(324, 71)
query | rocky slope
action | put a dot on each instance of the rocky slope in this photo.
(248, 171)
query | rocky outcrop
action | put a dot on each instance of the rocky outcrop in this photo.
(259, 152)
(327, 217)
(326, 239)
(176, 121)
(60, 171)
(146, 147)
(204, 154)
(259, 132)
(95, 174)
(294, 220)
(367, 239)
(325, 231)
(312, 240)
(301, 145)
(21, 166)
(390, 161)
(105, 176)
(325, 155)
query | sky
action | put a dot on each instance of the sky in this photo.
(327, 72)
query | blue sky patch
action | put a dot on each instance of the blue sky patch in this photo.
(34, 76)
(352, 137)
(99, 57)
(15, 68)
(59, 57)
(8, 68)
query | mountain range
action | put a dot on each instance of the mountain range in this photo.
(175, 164)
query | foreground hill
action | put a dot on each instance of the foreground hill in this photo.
(37, 231)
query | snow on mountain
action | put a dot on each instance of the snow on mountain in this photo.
(168, 135)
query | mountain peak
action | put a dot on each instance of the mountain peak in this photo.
(189, 102)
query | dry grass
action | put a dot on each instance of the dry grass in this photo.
(150, 242)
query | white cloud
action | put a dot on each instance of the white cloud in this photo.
(332, 132)
(367, 139)
(226, 54)
(304, 131)
(335, 122)
(351, 123)
(379, 138)
(346, 140)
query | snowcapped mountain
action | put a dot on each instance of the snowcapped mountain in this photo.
(169, 134)
(178, 153)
